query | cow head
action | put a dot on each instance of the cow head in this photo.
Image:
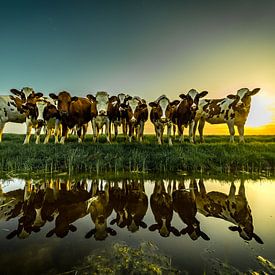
(135, 106)
(163, 107)
(243, 97)
(193, 98)
(102, 101)
(64, 100)
(27, 95)
(46, 110)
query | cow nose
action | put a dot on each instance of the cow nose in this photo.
(163, 118)
(102, 113)
(63, 113)
(133, 119)
(193, 107)
(40, 122)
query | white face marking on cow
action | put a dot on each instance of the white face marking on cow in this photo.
(41, 105)
(102, 99)
(133, 104)
(193, 93)
(27, 91)
(121, 97)
(163, 103)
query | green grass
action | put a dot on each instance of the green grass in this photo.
(257, 155)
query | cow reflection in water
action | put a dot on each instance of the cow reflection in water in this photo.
(71, 206)
(184, 203)
(233, 208)
(162, 207)
(32, 210)
(100, 208)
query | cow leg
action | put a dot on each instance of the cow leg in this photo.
(1, 130)
(241, 192)
(191, 131)
(141, 130)
(108, 134)
(116, 129)
(200, 128)
(84, 131)
(28, 133)
(231, 129)
(79, 131)
(241, 133)
(37, 134)
(180, 131)
(194, 130)
(232, 192)
(57, 130)
(169, 129)
(48, 135)
(131, 131)
(95, 130)
(64, 133)
(174, 130)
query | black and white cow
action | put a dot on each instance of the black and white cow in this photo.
(232, 110)
(233, 208)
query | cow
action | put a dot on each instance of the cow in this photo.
(161, 115)
(71, 205)
(232, 110)
(118, 198)
(9, 112)
(123, 101)
(233, 208)
(73, 111)
(185, 111)
(100, 209)
(41, 114)
(184, 203)
(137, 115)
(162, 207)
(136, 206)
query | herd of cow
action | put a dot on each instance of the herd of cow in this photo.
(125, 204)
(59, 113)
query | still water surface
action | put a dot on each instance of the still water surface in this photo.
(190, 225)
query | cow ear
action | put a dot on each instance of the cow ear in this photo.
(184, 231)
(113, 98)
(175, 102)
(231, 96)
(128, 97)
(143, 106)
(111, 231)
(153, 104)
(234, 228)
(38, 95)
(143, 224)
(53, 96)
(153, 227)
(74, 98)
(257, 238)
(175, 231)
(72, 228)
(12, 234)
(203, 94)
(90, 233)
(91, 97)
(16, 92)
(254, 91)
(182, 96)
(50, 233)
(204, 236)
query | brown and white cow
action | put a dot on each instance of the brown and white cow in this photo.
(161, 116)
(184, 203)
(8, 107)
(185, 112)
(137, 115)
(233, 208)
(99, 114)
(73, 111)
(162, 207)
(232, 110)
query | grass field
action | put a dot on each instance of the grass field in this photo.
(216, 155)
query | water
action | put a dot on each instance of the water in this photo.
(58, 225)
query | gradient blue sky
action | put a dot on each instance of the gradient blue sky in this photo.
(144, 48)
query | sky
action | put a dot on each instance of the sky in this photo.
(144, 48)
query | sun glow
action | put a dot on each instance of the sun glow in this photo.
(262, 110)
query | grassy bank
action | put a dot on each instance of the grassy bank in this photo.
(215, 156)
